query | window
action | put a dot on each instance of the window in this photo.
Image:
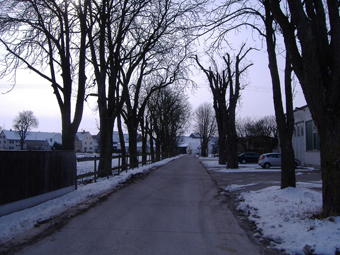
(312, 137)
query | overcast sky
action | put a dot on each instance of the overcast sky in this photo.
(35, 94)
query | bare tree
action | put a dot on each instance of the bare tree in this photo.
(160, 61)
(169, 111)
(258, 16)
(258, 129)
(129, 40)
(24, 122)
(226, 82)
(285, 123)
(48, 38)
(311, 30)
(205, 125)
(251, 127)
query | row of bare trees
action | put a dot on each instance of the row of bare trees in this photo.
(252, 127)
(225, 86)
(310, 31)
(121, 52)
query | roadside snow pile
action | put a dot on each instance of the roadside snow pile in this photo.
(285, 216)
(16, 223)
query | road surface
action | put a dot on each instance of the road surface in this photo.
(175, 210)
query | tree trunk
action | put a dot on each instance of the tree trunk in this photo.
(133, 146)
(330, 164)
(67, 136)
(222, 149)
(152, 151)
(144, 141)
(285, 125)
(204, 147)
(222, 146)
(106, 150)
(158, 149)
(22, 141)
(122, 142)
(287, 162)
(231, 143)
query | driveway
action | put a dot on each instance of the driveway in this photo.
(253, 177)
(175, 210)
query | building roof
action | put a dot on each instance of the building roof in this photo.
(184, 142)
(82, 135)
(33, 136)
(195, 135)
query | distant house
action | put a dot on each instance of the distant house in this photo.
(189, 145)
(84, 142)
(10, 140)
(306, 140)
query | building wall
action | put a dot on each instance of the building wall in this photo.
(306, 141)
(88, 143)
(7, 144)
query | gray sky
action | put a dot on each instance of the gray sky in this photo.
(35, 94)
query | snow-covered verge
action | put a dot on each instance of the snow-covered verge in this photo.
(286, 216)
(19, 222)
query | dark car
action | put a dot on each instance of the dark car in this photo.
(248, 157)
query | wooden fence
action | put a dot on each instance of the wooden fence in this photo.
(26, 174)
(116, 170)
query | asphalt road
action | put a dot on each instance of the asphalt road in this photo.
(175, 210)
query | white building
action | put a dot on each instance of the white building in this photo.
(86, 142)
(10, 140)
(306, 141)
(189, 145)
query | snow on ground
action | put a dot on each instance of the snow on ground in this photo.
(16, 223)
(286, 217)
(212, 164)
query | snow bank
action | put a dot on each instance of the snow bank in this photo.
(286, 217)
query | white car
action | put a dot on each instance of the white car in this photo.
(273, 159)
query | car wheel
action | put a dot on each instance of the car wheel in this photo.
(266, 165)
(243, 161)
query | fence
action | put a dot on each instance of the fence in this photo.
(116, 170)
(31, 177)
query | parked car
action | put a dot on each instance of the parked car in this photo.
(273, 159)
(248, 157)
